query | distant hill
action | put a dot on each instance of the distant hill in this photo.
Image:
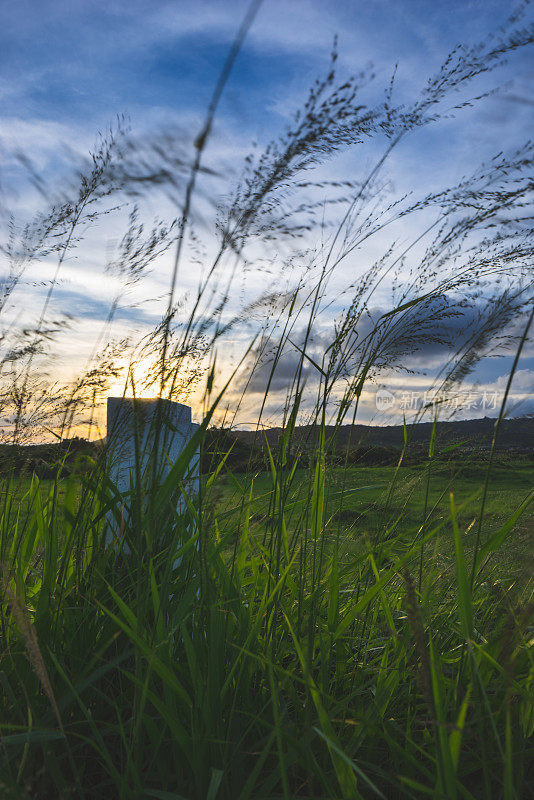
(474, 434)
(44, 458)
(360, 444)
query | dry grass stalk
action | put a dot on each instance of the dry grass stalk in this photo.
(22, 619)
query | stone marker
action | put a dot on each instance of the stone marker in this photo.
(124, 415)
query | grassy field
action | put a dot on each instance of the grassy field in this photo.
(356, 501)
(310, 633)
(369, 501)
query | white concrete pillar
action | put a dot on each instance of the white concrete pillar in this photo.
(128, 418)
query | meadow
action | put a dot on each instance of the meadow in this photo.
(329, 632)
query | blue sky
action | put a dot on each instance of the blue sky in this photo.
(68, 68)
(86, 61)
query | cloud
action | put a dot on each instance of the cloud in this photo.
(523, 381)
(275, 375)
(71, 67)
(81, 305)
(423, 339)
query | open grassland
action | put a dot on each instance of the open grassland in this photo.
(361, 503)
(368, 503)
(319, 633)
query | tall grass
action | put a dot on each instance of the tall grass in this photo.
(277, 658)
(245, 646)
